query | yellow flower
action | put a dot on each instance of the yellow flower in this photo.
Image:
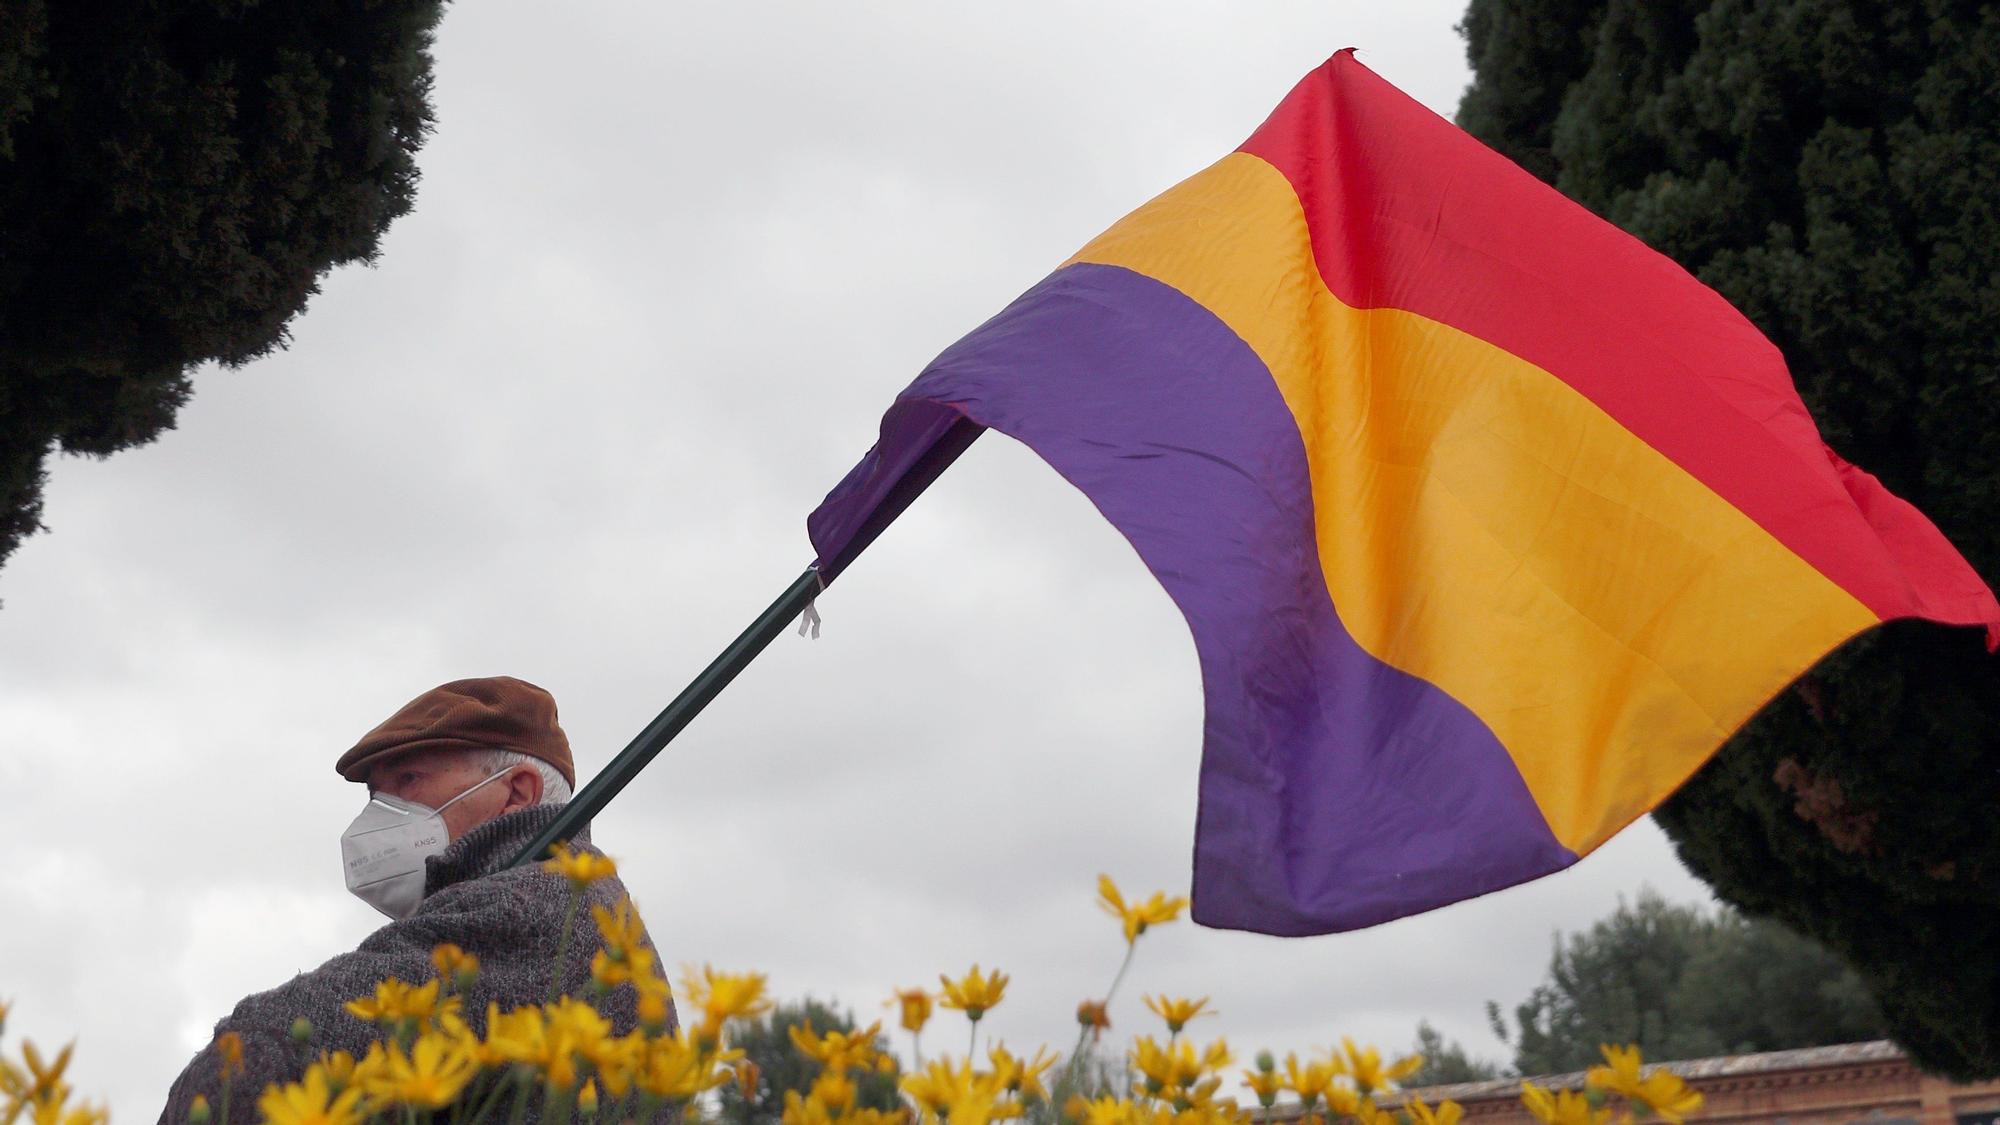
(1343, 1100)
(581, 867)
(430, 1076)
(1661, 1091)
(1564, 1107)
(337, 1067)
(611, 970)
(804, 1111)
(875, 1117)
(1188, 1068)
(1309, 1082)
(1019, 1075)
(959, 1094)
(586, 1099)
(833, 1089)
(519, 1035)
(310, 1101)
(1364, 1065)
(1028, 1082)
(13, 1087)
(837, 1050)
(1105, 1110)
(1137, 915)
(935, 1086)
(1175, 1066)
(549, 1038)
(654, 996)
(1178, 1012)
(371, 1063)
(617, 1060)
(916, 1008)
(1368, 1113)
(394, 1001)
(1447, 1112)
(573, 1028)
(44, 1079)
(1265, 1084)
(455, 964)
(620, 927)
(53, 1109)
(723, 996)
(974, 993)
(1200, 1097)
(676, 1067)
(1668, 1096)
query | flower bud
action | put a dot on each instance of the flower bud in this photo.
(586, 1101)
(302, 1030)
(652, 1010)
(198, 1112)
(1266, 1062)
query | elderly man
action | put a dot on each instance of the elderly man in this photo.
(459, 781)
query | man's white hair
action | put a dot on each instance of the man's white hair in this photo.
(555, 791)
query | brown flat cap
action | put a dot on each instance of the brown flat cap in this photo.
(492, 713)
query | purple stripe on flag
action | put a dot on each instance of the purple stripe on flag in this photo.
(1336, 792)
(918, 441)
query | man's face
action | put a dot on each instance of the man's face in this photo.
(433, 777)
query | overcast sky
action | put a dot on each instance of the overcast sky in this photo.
(668, 265)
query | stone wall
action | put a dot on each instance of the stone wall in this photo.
(1849, 1084)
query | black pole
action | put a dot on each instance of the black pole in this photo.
(593, 797)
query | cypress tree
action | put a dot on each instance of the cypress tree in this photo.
(175, 177)
(1833, 168)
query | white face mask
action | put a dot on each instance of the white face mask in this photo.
(384, 849)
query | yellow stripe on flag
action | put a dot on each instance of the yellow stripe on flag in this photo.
(1485, 527)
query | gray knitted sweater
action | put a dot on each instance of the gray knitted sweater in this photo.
(511, 919)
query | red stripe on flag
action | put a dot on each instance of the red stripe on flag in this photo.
(1407, 211)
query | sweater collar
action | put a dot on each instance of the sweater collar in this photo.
(488, 848)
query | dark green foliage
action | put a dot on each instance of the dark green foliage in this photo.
(1833, 168)
(1684, 983)
(175, 176)
(782, 1067)
(1445, 1062)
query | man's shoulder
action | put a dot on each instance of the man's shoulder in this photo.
(320, 995)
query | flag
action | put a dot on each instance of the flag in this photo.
(1490, 523)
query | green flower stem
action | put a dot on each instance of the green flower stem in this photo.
(493, 1095)
(222, 1117)
(556, 1106)
(1076, 1053)
(1131, 947)
(562, 943)
(526, 1077)
(1065, 1086)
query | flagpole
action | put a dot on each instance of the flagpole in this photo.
(592, 798)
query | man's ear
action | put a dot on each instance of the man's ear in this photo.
(524, 789)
